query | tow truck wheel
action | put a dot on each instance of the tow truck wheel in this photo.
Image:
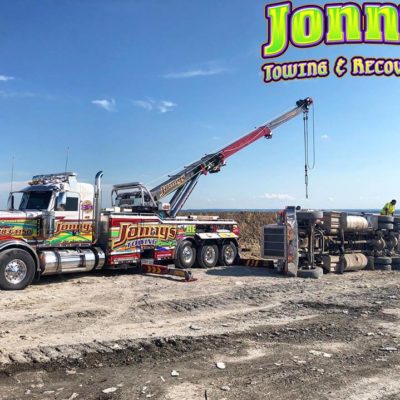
(227, 254)
(17, 269)
(186, 255)
(207, 256)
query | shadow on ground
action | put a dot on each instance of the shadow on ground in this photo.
(244, 271)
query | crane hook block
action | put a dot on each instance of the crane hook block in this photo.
(305, 103)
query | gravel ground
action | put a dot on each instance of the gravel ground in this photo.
(120, 336)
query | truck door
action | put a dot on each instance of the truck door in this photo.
(69, 226)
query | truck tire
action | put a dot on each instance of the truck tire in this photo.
(314, 273)
(207, 255)
(227, 254)
(185, 255)
(395, 261)
(388, 226)
(371, 264)
(17, 269)
(385, 219)
(309, 215)
(382, 261)
(383, 267)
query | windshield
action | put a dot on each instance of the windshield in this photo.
(35, 200)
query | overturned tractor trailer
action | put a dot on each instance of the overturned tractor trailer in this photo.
(308, 243)
(58, 225)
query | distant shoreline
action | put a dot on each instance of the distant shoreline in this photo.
(360, 210)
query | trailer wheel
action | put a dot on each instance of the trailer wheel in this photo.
(17, 269)
(395, 261)
(383, 267)
(207, 256)
(385, 219)
(186, 255)
(227, 254)
(383, 261)
(314, 273)
(387, 225)
(309, 215)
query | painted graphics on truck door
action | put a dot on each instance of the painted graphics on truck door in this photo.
(18, 228)
(73, 221)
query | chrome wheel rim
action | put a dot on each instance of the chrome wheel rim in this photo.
(187, 254)
(15, 271)
(209, 256)
(229, 255)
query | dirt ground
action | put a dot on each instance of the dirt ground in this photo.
(121, 336)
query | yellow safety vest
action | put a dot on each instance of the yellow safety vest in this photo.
(388, 209)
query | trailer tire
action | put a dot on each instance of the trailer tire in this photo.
(385, 219)
(383, 267)
(382, 261)
(207, 256)
(389, 226)
(309, 215)
(395, 261)
(227, 254)
(186, 255)
(17, 269)
(314, 273)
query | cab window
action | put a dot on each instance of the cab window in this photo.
(67, 202)
(72, 204)
(35, 200)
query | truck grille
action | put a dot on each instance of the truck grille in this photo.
(273, 241)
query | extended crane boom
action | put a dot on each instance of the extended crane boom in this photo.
(183, 182)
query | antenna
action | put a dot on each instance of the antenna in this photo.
(12, 174)
(66, 160)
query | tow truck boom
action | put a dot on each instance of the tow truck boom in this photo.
(183, 182)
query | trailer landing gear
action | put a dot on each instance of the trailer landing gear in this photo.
(163, 270)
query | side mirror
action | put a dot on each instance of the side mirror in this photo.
(61, 201)
(11, 201)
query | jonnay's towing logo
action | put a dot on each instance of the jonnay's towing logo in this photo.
(129, 232)
(332, 24)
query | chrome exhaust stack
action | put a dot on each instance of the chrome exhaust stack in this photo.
(97, 206)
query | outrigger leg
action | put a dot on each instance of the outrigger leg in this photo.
(163, 270)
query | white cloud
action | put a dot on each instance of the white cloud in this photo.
(161, 106)
(276, 196)
(324, 137)
(331, 199)
(165, 106)
(108, 105)
(145, 104)
(5, 78)
(195, 73)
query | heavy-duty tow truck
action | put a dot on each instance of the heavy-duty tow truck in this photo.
(308, 243)
(57, 224)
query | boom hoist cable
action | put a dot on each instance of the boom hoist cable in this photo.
(307, 165)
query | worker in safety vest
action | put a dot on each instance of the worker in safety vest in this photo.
(389, 208)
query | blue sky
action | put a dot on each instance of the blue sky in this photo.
(139, 88)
